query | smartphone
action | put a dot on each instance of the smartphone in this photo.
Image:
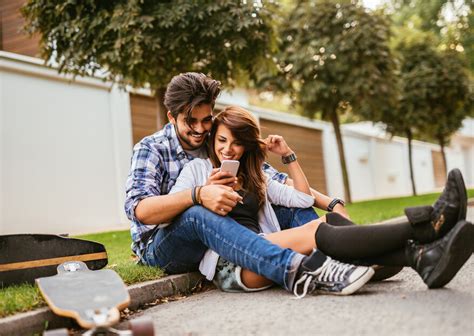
(231, 166)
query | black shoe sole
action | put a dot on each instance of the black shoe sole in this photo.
(385, 272)
(462, 193)
(457, 252)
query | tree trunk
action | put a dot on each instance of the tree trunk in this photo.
(342, 158)
(161, 117)
(410, 160)
(442, 144)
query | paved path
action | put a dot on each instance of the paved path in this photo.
(401, 306)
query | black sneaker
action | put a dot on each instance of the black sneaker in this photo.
(433, 222)
(437, 263)
(319, 273)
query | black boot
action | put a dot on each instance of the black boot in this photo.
(438, 262)
(432, 222)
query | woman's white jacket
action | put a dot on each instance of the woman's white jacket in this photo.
(196, 173)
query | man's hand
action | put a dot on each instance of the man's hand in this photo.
(219, 198)
(221, 178)
(341, 210)
(277, 145)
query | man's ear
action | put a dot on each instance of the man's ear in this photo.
(171, 118)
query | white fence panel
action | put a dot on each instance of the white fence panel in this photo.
(65, 151)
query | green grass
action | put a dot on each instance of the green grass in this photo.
(121, 258)
(20, 298)
(26, 297)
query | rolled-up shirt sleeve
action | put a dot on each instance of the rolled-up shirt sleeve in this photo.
(145, 178)
(281, 194)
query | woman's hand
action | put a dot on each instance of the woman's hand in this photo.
(221, 178)
(219, 199)
(277, 145)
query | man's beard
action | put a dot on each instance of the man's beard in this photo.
(187, 142)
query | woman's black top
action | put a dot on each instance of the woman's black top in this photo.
(246, 214)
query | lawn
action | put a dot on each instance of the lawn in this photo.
(26, 297)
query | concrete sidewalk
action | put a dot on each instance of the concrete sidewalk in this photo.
(402, 305)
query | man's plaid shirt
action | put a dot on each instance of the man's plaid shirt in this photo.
(156, 163)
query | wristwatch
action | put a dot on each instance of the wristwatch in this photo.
(288, 159)
(334, 202)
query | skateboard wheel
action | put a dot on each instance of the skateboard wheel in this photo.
(56, 332)
(142, 327)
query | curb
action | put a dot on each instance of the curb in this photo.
(36, 321)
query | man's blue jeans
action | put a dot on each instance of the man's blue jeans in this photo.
(180, 247)
(293, 217)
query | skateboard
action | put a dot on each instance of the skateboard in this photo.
(92, 298)
(25, 257)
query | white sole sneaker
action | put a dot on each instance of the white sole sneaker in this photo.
(363, 276)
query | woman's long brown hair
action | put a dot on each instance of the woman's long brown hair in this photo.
(244, 128)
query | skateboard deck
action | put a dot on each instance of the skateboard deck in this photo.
(92, 298)
(25, 257)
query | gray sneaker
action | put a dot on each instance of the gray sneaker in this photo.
(319, 273)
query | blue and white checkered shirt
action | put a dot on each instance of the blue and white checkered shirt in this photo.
(156, 163)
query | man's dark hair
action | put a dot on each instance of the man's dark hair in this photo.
(188, 90)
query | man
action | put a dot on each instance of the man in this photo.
(156, 163)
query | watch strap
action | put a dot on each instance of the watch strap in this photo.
(289, 158)
(335, 202)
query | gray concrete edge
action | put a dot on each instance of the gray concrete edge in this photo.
(36, 321)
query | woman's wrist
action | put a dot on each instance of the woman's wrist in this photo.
(289, 158)
(288, 152)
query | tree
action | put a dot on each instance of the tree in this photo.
(451, 21)
(449, 99)
(435, 95)
(144, 43)
(335, 55)
(418, 59)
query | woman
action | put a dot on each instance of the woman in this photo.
(235, 135)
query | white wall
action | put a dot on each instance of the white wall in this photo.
(359, 166)
(423, 168)
(468, 153)
(461, 151)
(234, 97)
(378, 166)
(65, 151)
